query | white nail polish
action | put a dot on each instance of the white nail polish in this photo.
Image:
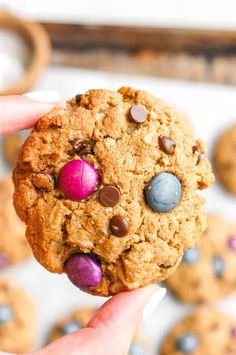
(46, 96)
(153, 301)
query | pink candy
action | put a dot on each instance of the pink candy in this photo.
(78, 179)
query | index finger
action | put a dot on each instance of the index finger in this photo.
(21, 112)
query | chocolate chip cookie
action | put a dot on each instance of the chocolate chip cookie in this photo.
(107, 188)
(17, 318)
(225, 159)
(208, 271)
(205, 332)
(14, 247)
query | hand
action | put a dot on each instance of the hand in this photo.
(113, 327)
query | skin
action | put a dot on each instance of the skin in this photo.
(114, 325)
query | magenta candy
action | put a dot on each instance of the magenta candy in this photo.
(84, 271)
(78, 179)
(232, 242)
(4, 262)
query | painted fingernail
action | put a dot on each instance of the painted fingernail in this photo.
(47, 96)
(153, 301)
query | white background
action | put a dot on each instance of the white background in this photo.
(211, 108)
(173, 13)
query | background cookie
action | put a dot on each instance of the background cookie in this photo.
(204, 332)
(208, 271)
(108, 186)
(11, 145)
(17, 318)
(225, 159)
(79, 319)
(75, 321)
(14, 247)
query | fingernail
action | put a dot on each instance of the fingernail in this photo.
(153, 301)
(46, 96)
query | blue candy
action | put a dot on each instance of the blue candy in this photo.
(219, 266)
(71, 327)
(187, 343)
(191, 255)
(136, 349)
(6, 313)
(163, 192)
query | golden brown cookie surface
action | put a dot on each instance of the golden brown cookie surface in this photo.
(205, 332)
(225, 159)
(102, 128)
(208, 271)
(14, 247)
(17, 319)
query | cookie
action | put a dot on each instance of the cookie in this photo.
(17, 318)
(107, 188)
(11, 145)
(14, 247)
(208, 271)
(75, 321)
(79, 319)
(225, 159)
(205, 332)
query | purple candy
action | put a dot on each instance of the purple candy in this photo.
(78, 179)
(84, 271)
(234, 332)
(4, 262)
(232, 242)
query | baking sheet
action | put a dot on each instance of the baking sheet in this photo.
(211, 108)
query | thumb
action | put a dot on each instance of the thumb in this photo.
(112, 328)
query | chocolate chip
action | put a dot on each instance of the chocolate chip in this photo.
(78, 98)
(43, 181)
(167, 145)
(81, 146)
(196, 150)
(109, 196)
(119, 226)
(137, 114)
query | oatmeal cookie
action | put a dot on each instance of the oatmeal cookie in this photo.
(208, 271)
(107, 189)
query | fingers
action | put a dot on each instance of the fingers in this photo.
(112, 328)
(21, 112)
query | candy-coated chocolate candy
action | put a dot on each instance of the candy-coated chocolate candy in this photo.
(84, 271)
(232, 242)
(163, 192)
(136, 349)
(71, 327)
(191, 255)
(78, 179)
(187, 343)
(219, 266)
(6, 313)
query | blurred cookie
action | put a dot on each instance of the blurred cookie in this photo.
(205, 332)
(225, 159)
(75, 321)
(208, 271)
(79, 319)
(13, 244)
(17, 318)
(11, 145)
